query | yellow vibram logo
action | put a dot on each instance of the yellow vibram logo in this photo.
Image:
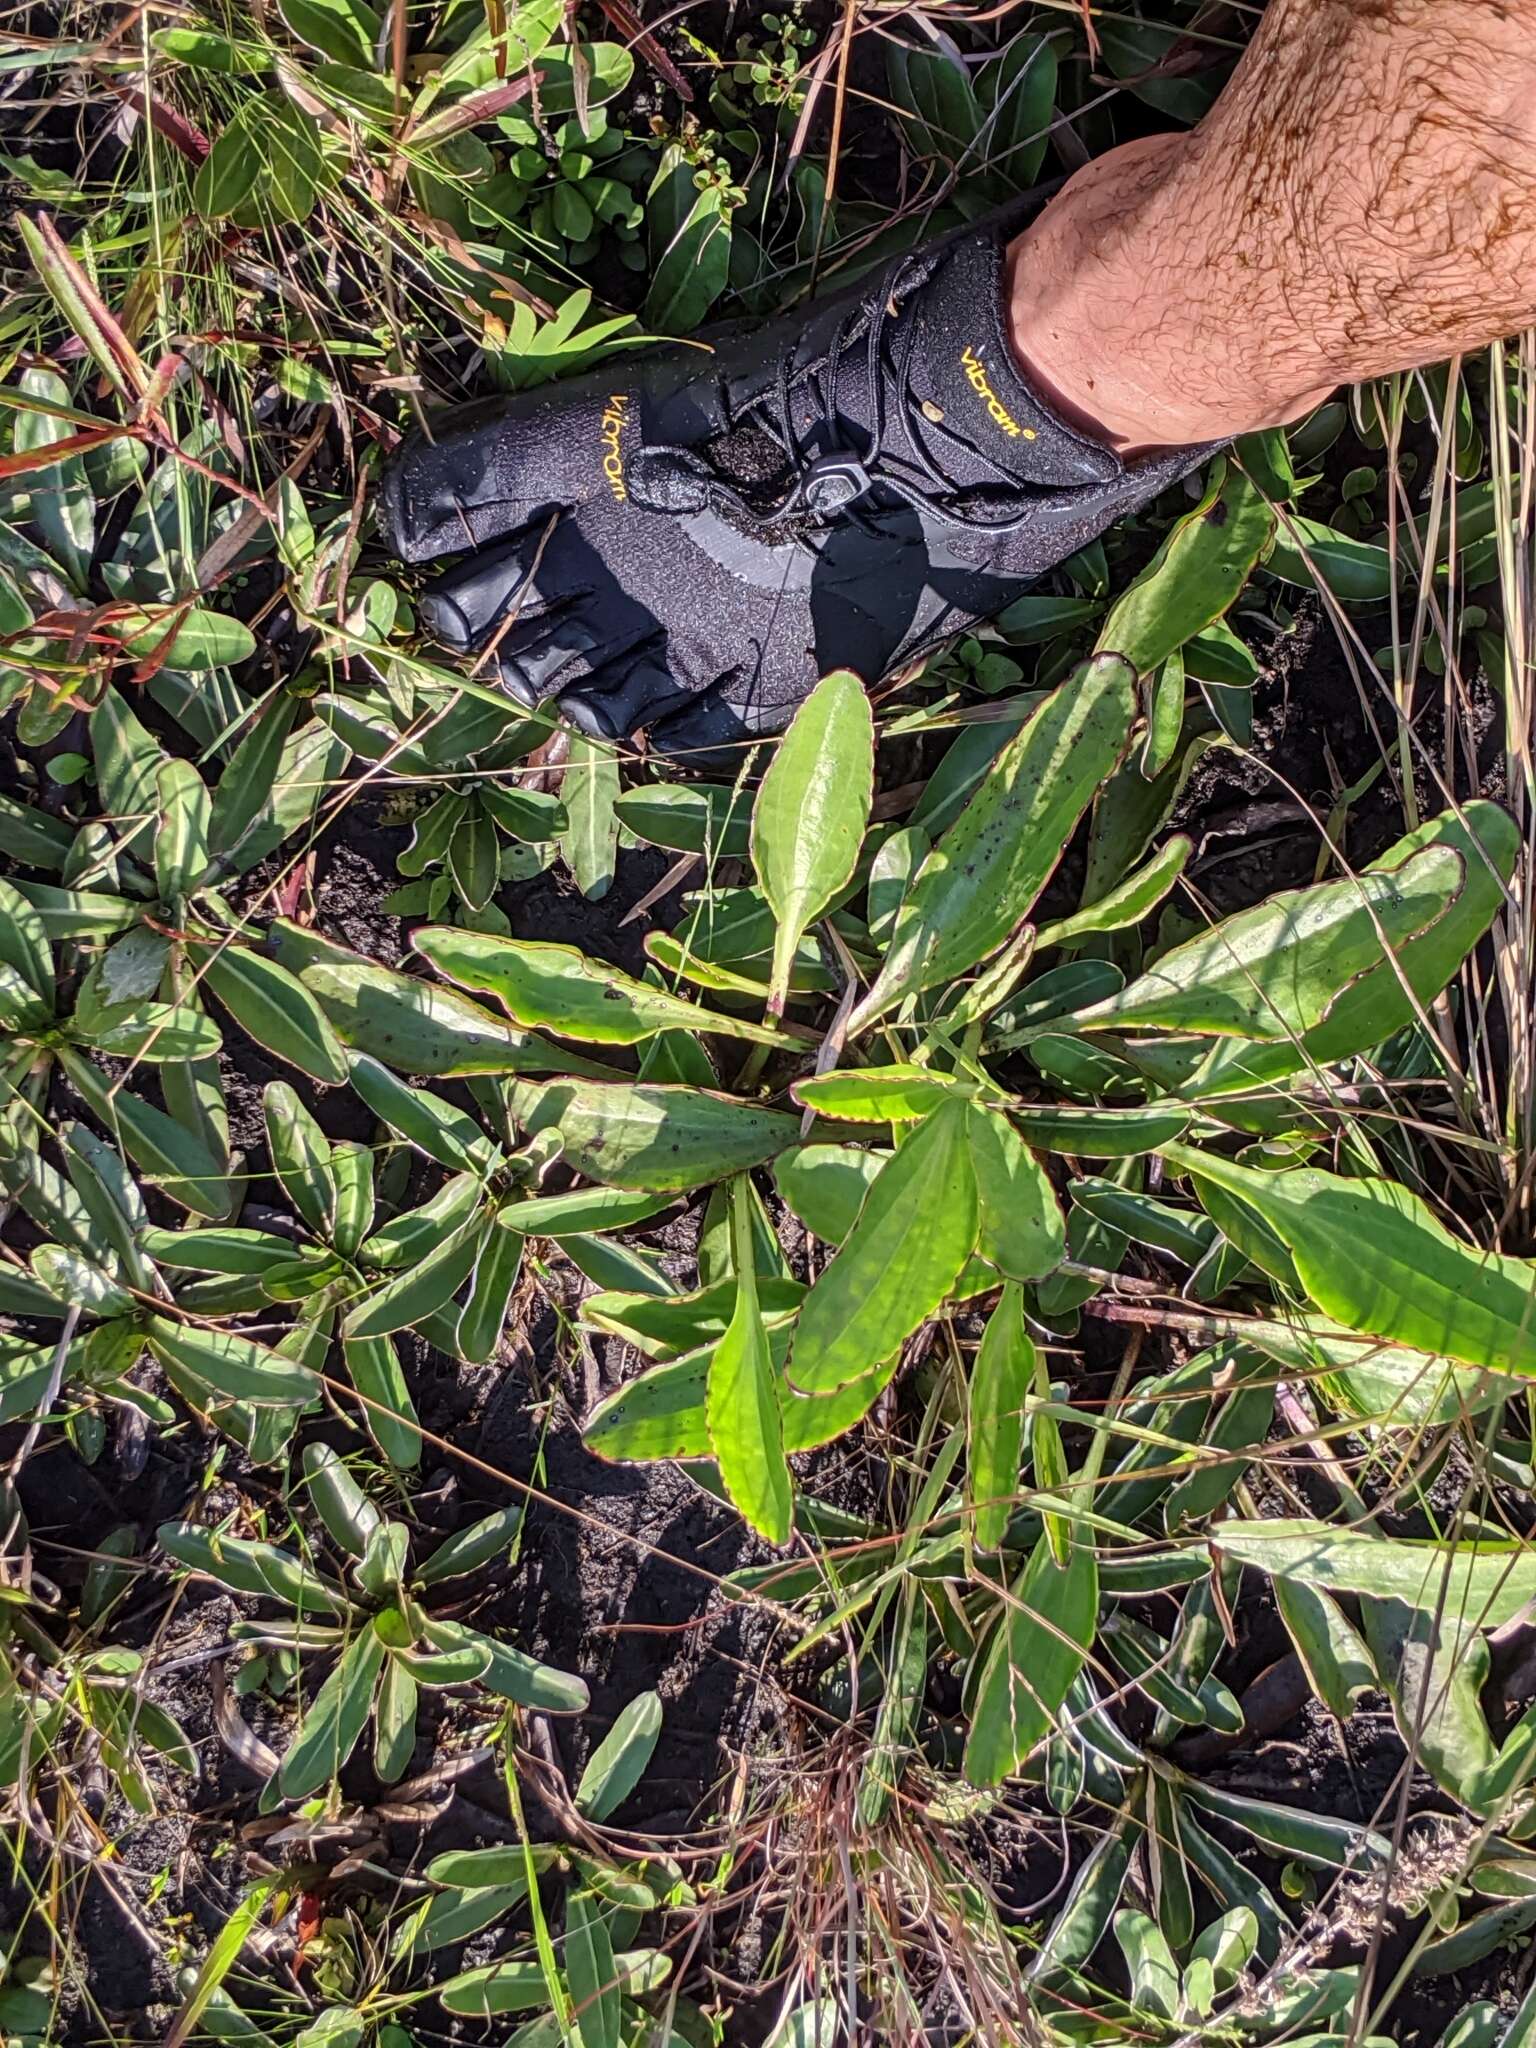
(976, 375)
(615, 419)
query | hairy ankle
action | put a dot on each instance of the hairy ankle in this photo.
(1131, 312)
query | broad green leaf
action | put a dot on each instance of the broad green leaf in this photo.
(261, 1569)
(1001, 1379)
(1278, 971)
(1480, 1581)
(690, 245)
(513, 1675)
(246, 783)
(658, 1138)
(1136, 898)
(301, 1158)
(63, 505)
(1337, 1664)
(1194, 576)
(497, 1265)
(197, 639)
(409, 1237)
(915, 1232)
(490, 1538)
(453, 1916)
(160, 1033)
(435, 1127)
(811, 810)
(1041, 1641)
(24, 946)
(336, 1717)
(1154, 1973)
(518, 1987)
(388, 1411)
(265, 166)
(618, 1763)
(661, 1414)
(896, 1095)
(1374, 1258)
(68, 1275)
(589, 1969)
(585, 1210)
(589, 790)
(273, 1007)
(348, 1514)
(532, 815)
(413, 1025)
(746, 1430)
(1021, 1229)
(347, 31)
(1307, 553)
(225, 1363)
(159, 1146)
(978, 885)
(559, 989)
(181, 840)
(414, 1294)
(308, 769)
(688, 817)
(394, 1735)
(1433, 1670)
(128, 762)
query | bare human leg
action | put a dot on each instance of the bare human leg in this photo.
(1361, 199)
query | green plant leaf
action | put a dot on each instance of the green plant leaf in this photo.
(589, 790)
(690, 238)
(301, 1159)
(414, 1294)
(980, 882)
(1278, 971)
(1021, 1229)
(1041, 1641)
(273, 1007)
(1001, 1380)
(181, 840)
(159, 1146)
(900, 1094)
(658, 1138)
(1307, 553)
(1375, 1259)
(560, 989)
(589, 1968)
(811, 811)
(517, 1987)
(347, 31)
(415, 1026)
(248, 778)
(661, 1414)
(688, 817)
(225, 1363)
(1486, 1582)
(197, 639)
(619, 1761)
(1194, 576)
(915, 1232)
(261, 1569)
(335, 1719)
(513, 1675)
(425, 1120)
(746, 1430)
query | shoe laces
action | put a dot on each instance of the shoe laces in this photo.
(905, 445)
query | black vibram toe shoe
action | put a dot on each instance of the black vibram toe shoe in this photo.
(685, 540)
